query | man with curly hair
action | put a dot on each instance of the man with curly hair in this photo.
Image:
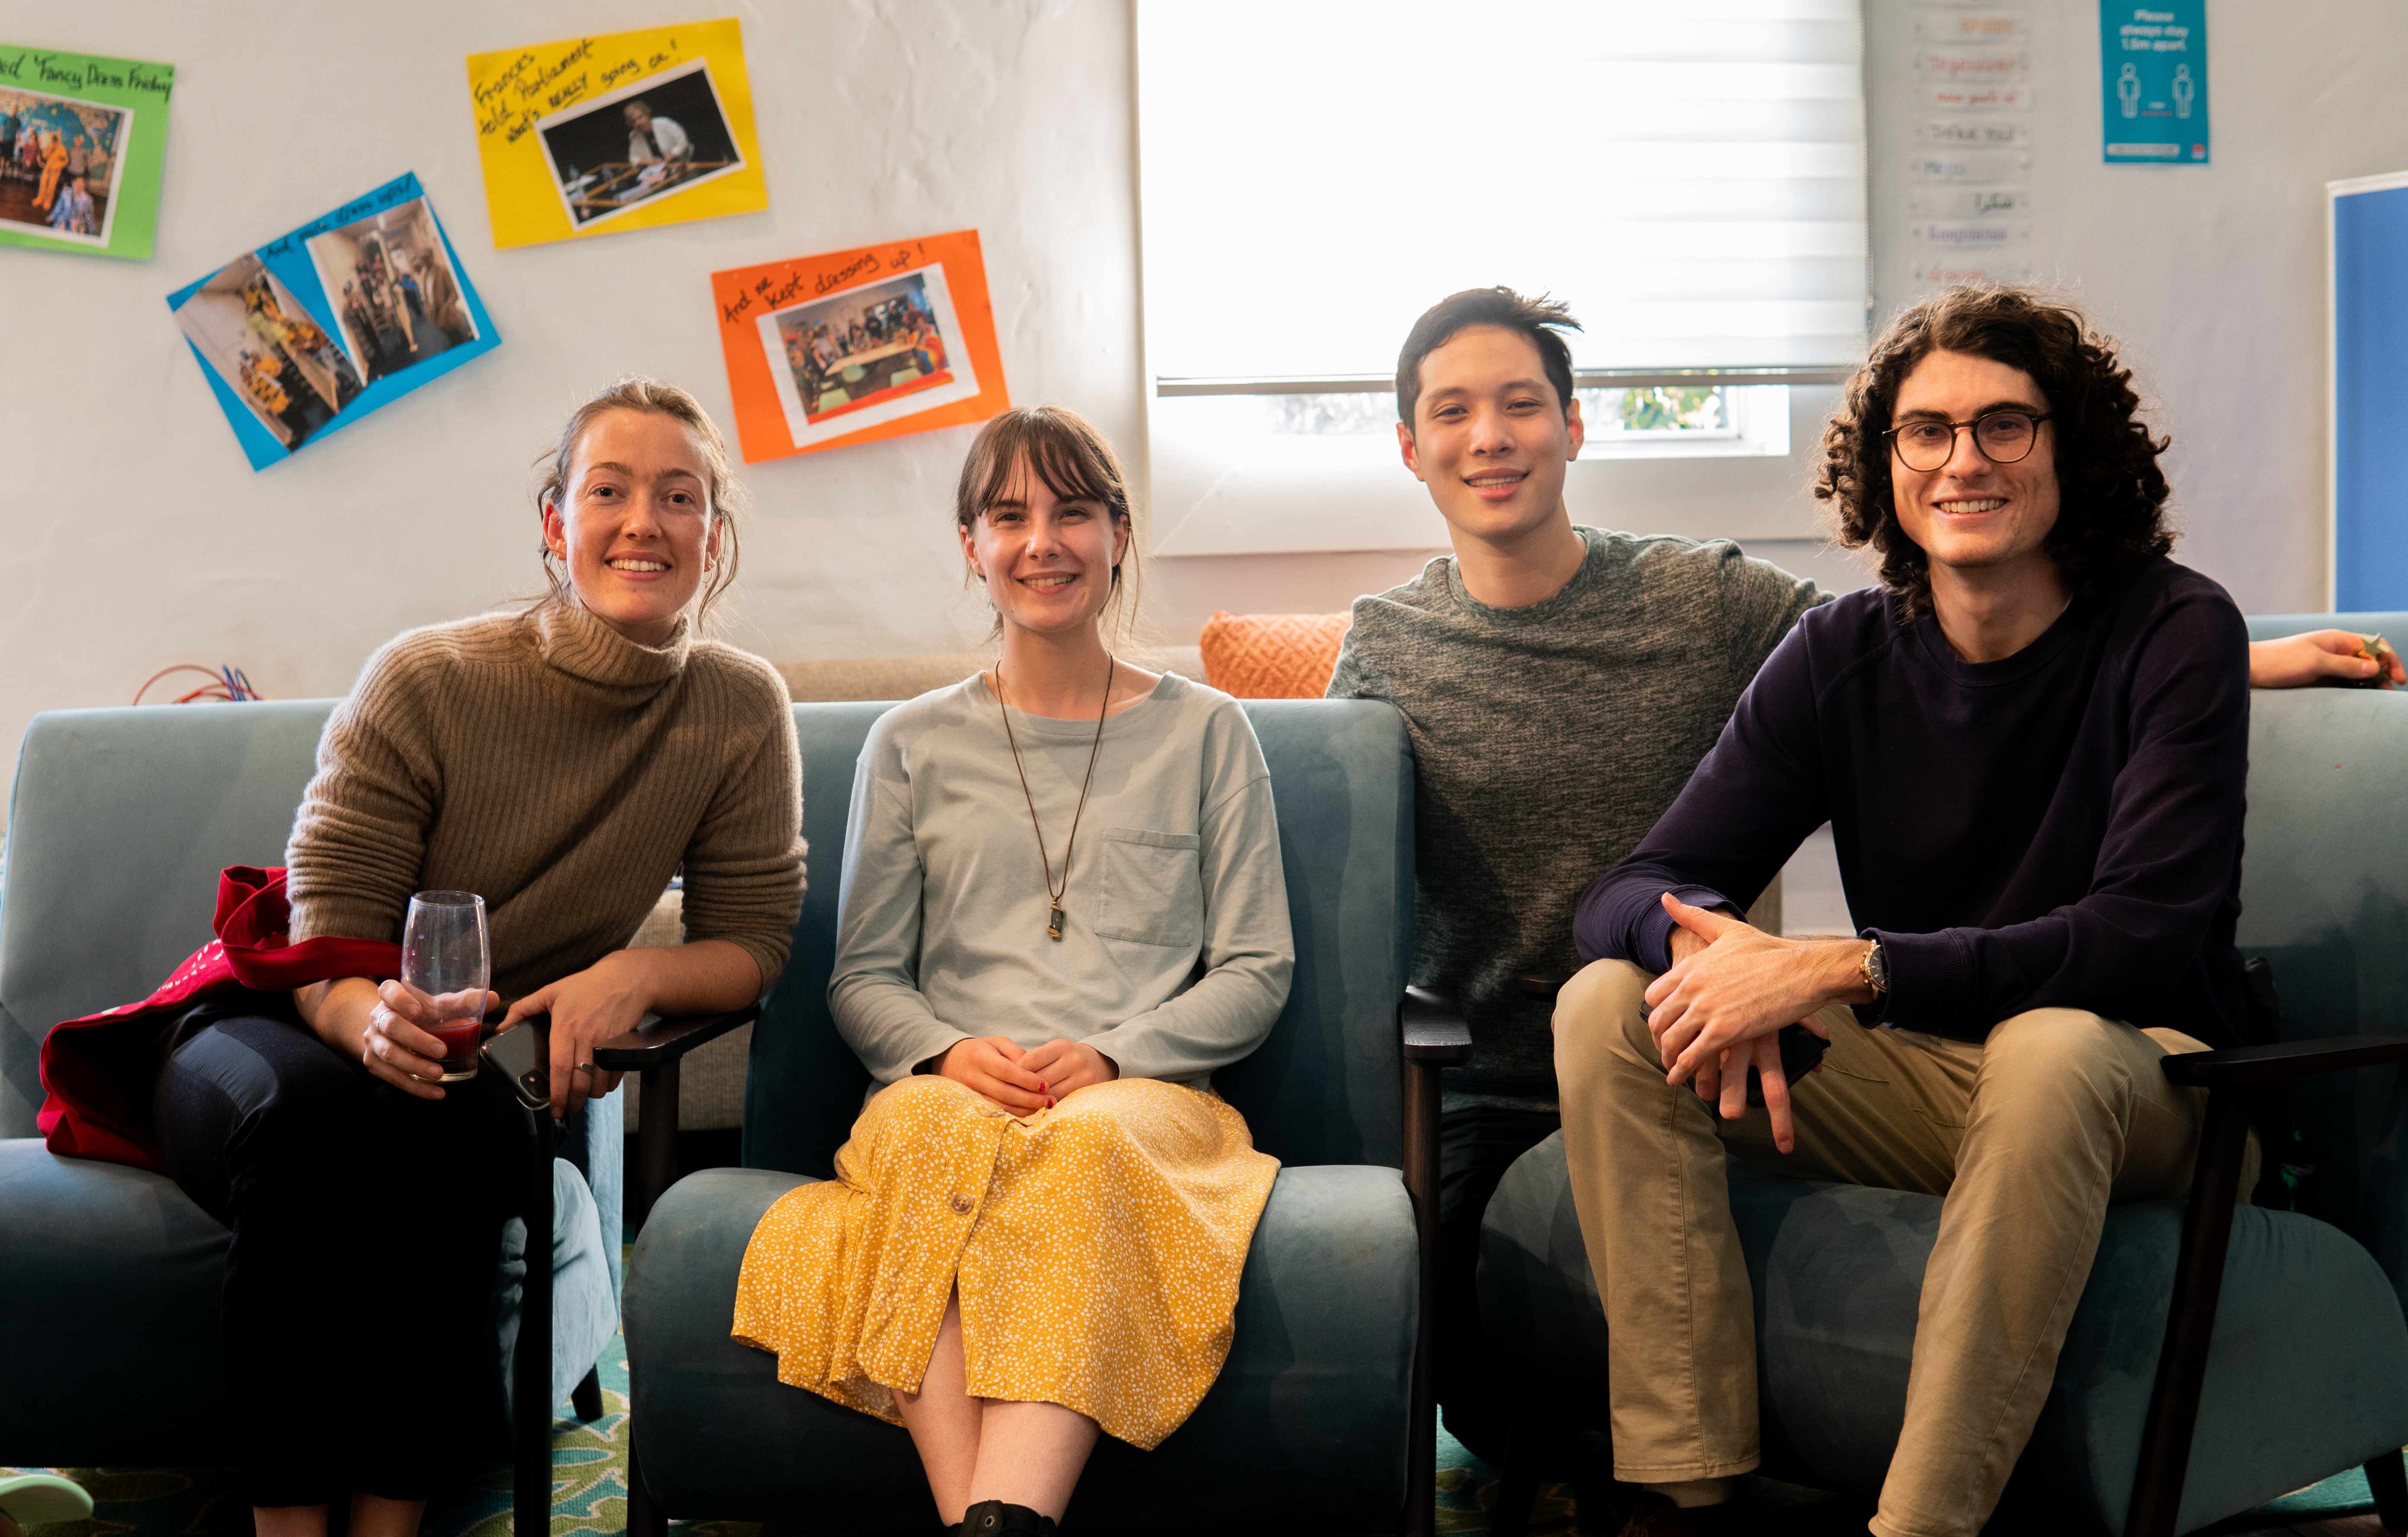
(2031, 741)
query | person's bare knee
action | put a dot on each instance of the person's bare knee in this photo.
(289, 1521)
(373, 1515)
(944, 1421)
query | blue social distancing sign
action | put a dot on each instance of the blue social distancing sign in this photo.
(2153, 81)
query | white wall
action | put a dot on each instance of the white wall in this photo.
(140, 538)
(2212, 275)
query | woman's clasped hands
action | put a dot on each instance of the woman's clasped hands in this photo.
(1026, 1080)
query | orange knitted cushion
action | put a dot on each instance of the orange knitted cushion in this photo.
(1272, 656)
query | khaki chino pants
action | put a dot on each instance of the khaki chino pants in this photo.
(2028, 1137)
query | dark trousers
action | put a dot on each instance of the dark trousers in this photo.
(367, 1230)
(1476, 1145)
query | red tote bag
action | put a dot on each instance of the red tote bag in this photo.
(94, 1069)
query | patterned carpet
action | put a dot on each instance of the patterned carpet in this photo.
(590, 1494)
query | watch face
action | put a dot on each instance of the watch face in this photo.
(1877, 966)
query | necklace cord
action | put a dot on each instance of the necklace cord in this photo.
(1053, 893)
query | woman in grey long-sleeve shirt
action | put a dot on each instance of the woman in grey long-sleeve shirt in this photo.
(1177, 864)
(1062, 909)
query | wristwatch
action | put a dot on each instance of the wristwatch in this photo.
(1874, 969)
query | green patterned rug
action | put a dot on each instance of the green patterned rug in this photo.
(590, 1493)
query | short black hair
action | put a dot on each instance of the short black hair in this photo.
(1542, 319)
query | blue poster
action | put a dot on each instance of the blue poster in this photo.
(317, 328)
(2369, 382)
(2153, 81)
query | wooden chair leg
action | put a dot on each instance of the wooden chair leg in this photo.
(2387, 1476)
(1530, 1448)
(2190, 1318)
(656, 1129)
(531, 1363)
(644, 1519)
(587, 1397)
(1421, 1184)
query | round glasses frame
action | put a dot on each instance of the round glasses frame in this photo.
(2035, 418)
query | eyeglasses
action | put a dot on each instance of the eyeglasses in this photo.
(2004, 437)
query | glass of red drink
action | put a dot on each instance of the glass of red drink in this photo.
(447, 957)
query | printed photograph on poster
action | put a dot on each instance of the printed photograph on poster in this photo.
(866, 356)
(259, 339)
(851, 347)
(80, 144)
(396, 297)
(58, 158)
(646, 140)
(328, 322)
(624, 131)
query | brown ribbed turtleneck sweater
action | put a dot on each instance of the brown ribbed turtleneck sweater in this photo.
(564, 773)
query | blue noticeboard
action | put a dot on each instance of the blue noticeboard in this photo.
(2370, 392)
(2153, 81)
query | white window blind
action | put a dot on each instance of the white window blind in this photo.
(1689, 175)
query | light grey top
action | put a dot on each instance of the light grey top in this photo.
(1175, 955)
(1546, 742)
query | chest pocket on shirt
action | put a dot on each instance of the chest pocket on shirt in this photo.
(1152, 891)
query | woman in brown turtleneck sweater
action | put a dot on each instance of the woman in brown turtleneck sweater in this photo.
(563, 763)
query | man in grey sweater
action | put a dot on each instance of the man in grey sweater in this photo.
(1559, 683)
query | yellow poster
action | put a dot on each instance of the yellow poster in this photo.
(597, 134)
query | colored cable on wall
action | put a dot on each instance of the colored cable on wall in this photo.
(226, 684)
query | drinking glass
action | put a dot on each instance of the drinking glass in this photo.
(447, 957)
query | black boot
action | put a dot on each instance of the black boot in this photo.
(995, 1518)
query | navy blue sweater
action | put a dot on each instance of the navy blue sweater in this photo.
(2058, 829)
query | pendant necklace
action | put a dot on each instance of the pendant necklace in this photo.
(1054, 892)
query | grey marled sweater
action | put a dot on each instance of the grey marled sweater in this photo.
(1546, 742)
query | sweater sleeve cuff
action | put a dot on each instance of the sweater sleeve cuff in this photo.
(335, 917)
(1654, 949)
(1931, 976)
(769, 959)
(919, 1045)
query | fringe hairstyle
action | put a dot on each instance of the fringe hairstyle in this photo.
(2111, 509)
(1069, 458)
(636, 393)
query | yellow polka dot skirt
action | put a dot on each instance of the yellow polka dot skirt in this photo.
(1096, 1247)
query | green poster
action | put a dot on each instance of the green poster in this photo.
(81, 141)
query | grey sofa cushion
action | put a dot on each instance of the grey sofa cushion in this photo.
(108, 1315)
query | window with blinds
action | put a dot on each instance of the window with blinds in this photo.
(1688, 174)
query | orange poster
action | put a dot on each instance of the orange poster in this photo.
(849, 347)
